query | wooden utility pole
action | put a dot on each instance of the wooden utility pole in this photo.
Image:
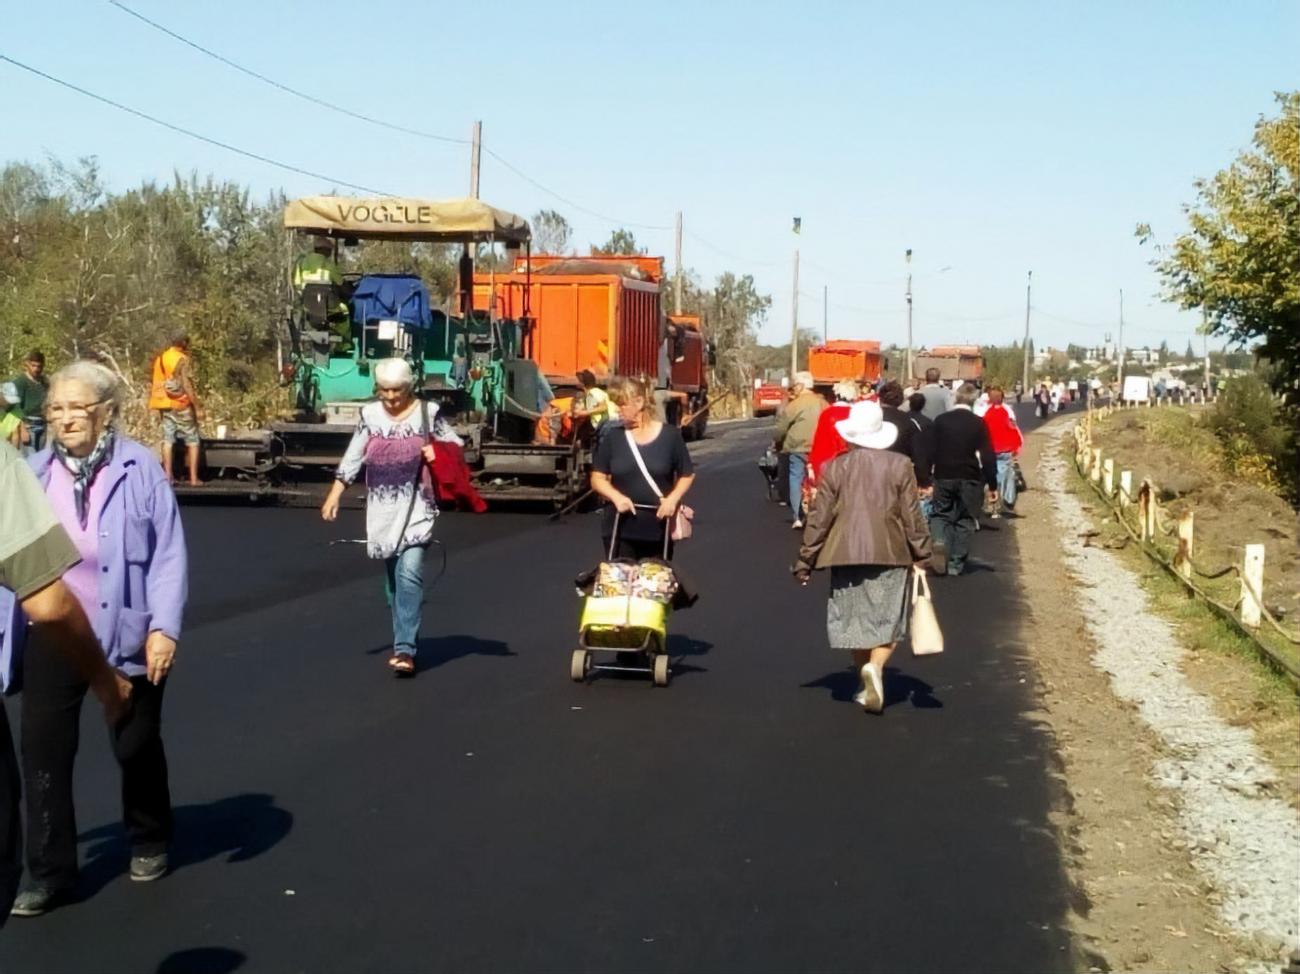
(1120, 351)
(907, 379)
(476, 145)
(826, 335)
(677, 286)
(1205, 353)
(1024, 379)
(794, 321)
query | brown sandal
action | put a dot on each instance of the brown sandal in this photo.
(402, 664)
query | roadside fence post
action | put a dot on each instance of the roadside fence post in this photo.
(1125, 489)
(1095, 473)
(1108, 477)
(1252, 582)
(1183, 557)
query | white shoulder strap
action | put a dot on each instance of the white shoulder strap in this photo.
(640, 462)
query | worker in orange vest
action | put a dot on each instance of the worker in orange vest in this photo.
(173, 396)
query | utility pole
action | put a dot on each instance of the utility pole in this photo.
(677, 287)
(794, 321)
(826, 335)
(1120, 374)
(907, 379)
(476, 145)
(1205, 351)
(1024, 379)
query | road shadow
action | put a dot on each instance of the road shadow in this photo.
(900, 688)
(681, 646)
(201, 960)
(439, 650)
(241, 827)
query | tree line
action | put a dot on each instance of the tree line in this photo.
(85, 271)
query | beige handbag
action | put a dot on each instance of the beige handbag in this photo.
(927, 637)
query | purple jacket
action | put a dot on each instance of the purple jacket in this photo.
(144, 574)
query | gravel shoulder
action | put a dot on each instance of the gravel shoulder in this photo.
(1134, 797)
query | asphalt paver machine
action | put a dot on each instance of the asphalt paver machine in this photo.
(473, 363)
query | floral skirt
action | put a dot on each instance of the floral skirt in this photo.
(867, 606)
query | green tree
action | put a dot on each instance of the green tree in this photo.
(551, 233)
(620, 243)
(1162, 354)
(1240, 260)
(1190, 354)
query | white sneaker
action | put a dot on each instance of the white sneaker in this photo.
(873, 690)
(797, 525)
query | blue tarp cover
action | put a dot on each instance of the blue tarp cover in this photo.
(392, 297)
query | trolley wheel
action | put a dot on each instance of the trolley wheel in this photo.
(580, 665)
(661, 670)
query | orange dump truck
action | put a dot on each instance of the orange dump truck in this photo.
(842, 359)
(596, 313)
(956, 363)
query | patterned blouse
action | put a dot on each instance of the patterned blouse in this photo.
(389, 450)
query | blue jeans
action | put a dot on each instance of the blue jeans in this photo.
(1007, 478)
(36, 433)
(404, 587)
(798, 463)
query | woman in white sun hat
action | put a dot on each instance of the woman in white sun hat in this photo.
(866, 527)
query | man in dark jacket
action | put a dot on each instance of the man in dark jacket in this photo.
(910, 442)
(965, 469)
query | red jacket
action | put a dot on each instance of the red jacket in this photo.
(1003, 431)
(452, 480)
(827, 443)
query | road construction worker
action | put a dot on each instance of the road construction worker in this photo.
(173, 396)
(319, 267)
(593, 404)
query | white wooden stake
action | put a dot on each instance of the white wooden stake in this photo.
(1183, 557)
(1125, 489)
(1095, 473)
(1252, 582)
(1108, 477)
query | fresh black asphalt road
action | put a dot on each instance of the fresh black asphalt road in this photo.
(492, 815)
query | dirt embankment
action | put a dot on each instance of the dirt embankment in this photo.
(1183, 460)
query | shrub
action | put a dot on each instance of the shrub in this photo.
(1258, 434)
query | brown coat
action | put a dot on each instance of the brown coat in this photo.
(866, 513)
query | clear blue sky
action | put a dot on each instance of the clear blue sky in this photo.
(991, 138)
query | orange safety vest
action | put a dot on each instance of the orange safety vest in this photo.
(164, 367)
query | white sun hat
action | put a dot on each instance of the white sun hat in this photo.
(866, 426)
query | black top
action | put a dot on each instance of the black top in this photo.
(961, 448)
(667, 459)
(910, 441)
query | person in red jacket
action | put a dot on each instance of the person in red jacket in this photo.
(1007, 441)
(827, 443)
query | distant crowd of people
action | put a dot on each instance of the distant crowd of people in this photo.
(878, 480)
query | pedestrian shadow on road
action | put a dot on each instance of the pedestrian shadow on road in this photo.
(443, 649)
(241, 827)
(899, 688)
(201, 960)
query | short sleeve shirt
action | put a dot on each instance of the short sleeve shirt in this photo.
(34, 548)
(595, 399)
(667, 460)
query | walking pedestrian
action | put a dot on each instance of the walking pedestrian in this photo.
(1007, 441)
(113, 500)
(938, 399)
(393, 443)
(827, 443)
(866, 527)
(35, 553)
(33, 387)
(618, 477)
(910, 443)
(964, 469)
(922, 448)
(1042, 400)
(173, 397)
(795, 425)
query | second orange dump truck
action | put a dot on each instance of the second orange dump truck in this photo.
(841, 359)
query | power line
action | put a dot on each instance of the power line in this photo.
(382, 123)
(190, 132)
(568, 202)
(286, 88)
(730, 256)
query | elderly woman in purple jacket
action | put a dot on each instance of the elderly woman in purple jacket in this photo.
(111, 496)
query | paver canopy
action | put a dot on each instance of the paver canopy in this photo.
(396, 218)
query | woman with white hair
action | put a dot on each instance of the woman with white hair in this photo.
(393, 442)
(866, 527)
(111, 496)
(827, 443)
(795, 425)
